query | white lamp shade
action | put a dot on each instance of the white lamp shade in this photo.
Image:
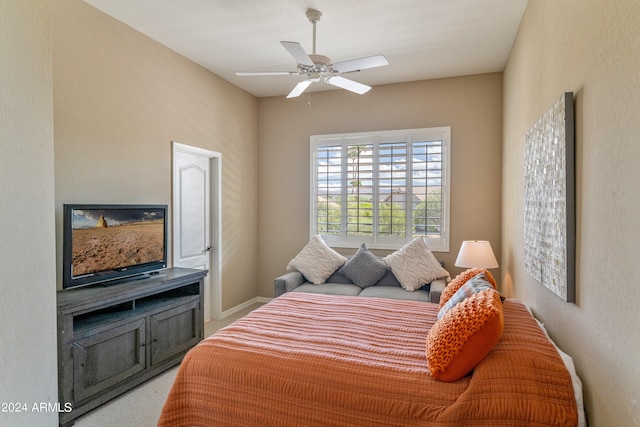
(476, 254)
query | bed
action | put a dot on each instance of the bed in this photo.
(323, 360)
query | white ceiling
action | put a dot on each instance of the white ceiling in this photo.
(422, 39)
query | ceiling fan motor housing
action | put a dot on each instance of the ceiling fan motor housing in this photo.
(320, 60)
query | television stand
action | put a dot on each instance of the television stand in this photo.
(141, 276)
(113, 338)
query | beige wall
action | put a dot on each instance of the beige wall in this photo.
(591, 48)
(119, 100)
(28, 368)
(472, 106)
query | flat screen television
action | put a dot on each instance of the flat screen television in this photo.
(102, 243)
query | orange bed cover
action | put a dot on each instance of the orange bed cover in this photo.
(321, 360)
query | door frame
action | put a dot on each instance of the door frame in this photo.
(215, 261)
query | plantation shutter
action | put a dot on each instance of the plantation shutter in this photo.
(381, 188)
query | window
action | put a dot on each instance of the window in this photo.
(381, 188)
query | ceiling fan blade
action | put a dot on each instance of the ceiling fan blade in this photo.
(300, 87)
(347, 84)
(268, 73)
(360, 64)
(298, 52)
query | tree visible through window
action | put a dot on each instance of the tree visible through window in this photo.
(381, 188)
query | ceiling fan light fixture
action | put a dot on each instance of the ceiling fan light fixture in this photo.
(316, 66)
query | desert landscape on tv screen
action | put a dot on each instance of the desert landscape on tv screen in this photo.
(112, 239)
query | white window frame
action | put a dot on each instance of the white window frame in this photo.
(443, 134)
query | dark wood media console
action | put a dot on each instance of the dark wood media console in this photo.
(112, 338)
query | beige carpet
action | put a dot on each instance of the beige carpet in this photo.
(141, 406)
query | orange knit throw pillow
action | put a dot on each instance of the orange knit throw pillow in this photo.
(461, 279)
(464, 336)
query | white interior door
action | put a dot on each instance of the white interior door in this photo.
(196, 214)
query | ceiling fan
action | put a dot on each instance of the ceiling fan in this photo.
(316, 67)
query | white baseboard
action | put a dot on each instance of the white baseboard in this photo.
(249, 303)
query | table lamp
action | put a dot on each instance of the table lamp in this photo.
(476, 254)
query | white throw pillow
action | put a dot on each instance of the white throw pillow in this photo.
(414, 265)
(317, 261)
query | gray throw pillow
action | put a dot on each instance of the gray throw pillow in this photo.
(364, 268)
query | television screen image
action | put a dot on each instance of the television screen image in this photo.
(103, 242)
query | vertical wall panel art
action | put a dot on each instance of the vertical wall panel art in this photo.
(549, 199)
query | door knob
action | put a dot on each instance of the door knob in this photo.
(208, 249)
